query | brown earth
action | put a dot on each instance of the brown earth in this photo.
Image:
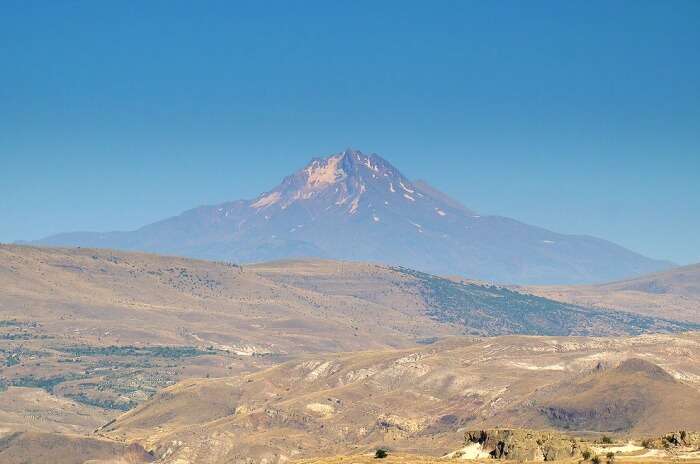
(220, 363)
(41, 447)
(417, 400)
(636, 397)
(107, 329)
(674, 293)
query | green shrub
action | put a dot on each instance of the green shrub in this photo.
(586, 455)
(381, 453)
(606, 439)
(595, 460)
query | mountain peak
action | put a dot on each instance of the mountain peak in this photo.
(337, 181)
(351, 158)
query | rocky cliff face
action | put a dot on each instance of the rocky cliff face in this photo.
(525, 445)
(678, 439)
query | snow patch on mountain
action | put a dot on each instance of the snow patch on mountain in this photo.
(354, 205)
(368, 163)
(406, 188)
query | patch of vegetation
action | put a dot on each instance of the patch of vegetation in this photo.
(16, 323)
(45, 383)
(15, 336)
(104, 403)
(175, 352)
(12, 360)
(381, 453)
(495, 310)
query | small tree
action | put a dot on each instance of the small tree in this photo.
(381, 453)
(610, 456)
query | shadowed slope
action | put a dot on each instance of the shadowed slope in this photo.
(636, 396)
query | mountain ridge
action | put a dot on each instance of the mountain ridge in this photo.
(353, 206)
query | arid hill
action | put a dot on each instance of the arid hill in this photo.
(636, 396)
(214, 362)
(674, 293)
(419, 400)
(38, 447)
(108, 329)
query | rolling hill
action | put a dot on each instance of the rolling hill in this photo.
(421, 400)
(109, 329)
(215, 362)
(673, 293)
(636, 396)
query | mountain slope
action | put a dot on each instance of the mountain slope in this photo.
(673, 293)
(635, 396)
(359, 207)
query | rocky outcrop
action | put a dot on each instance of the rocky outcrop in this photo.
(525, 445)
(680, 438)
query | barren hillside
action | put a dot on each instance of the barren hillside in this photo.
(674, 293)
(419, 400)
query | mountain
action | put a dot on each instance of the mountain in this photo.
(359, 207)
(673, 293)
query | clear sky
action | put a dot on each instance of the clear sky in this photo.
(579, 116)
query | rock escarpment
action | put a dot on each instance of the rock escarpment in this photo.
(678, 439)
(525, 445)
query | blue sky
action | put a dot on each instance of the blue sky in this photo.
(579, 116)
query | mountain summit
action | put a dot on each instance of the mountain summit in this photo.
(359, 207)
(355, 188)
